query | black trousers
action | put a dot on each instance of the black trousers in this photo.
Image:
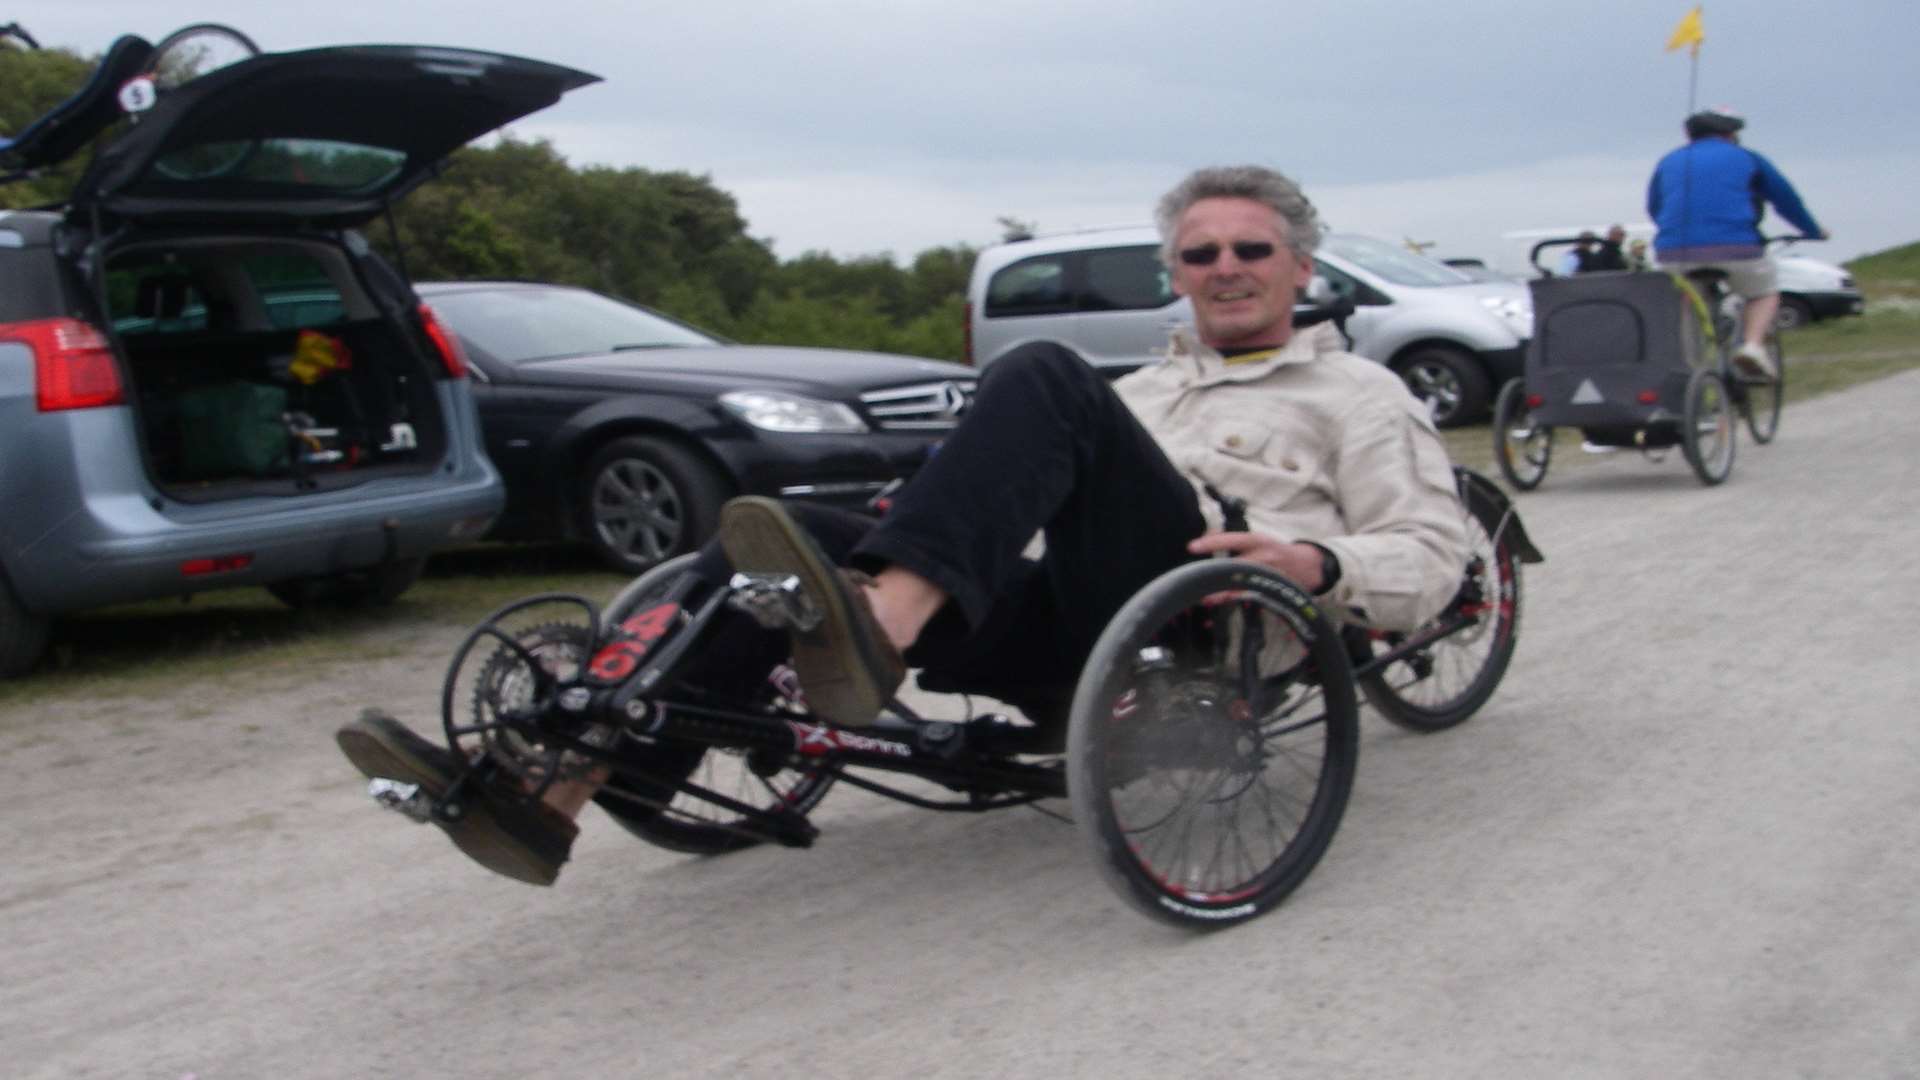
(1047, 447)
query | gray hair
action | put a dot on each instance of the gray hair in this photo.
(1261, 184)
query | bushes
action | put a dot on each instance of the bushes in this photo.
(672, 241)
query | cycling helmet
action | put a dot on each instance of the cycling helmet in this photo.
(1715, 121)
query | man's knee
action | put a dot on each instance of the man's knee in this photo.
(1043, 361)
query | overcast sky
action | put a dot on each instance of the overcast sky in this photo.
(868, 126)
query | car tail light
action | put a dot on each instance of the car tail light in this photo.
(1534, 401)
(73, 365)
(454, 357)
(1649, 397)
(966, 334)
(215, 564)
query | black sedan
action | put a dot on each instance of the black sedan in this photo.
(625, 428)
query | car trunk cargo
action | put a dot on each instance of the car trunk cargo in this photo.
(265, 367)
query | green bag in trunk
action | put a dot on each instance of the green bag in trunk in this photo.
(232, 429)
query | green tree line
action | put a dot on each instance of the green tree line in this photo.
(668, 239)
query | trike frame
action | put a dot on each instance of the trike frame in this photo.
(553, 703)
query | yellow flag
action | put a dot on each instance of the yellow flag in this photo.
(1688, 32)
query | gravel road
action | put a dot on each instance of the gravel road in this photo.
(1680, 842)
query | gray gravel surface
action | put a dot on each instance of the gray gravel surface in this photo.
(1680, 842)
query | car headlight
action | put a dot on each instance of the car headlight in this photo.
(771, 410)
(1515, 312)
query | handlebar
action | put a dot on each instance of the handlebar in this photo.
(1311, 314)
(1558, 241)
(17, 31)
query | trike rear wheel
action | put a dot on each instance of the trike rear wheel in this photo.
(658, 813)
(1707, 427)
(1522, 447)
(1444, 683)
(1212, 744)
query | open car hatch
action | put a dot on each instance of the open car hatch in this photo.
(324, 136)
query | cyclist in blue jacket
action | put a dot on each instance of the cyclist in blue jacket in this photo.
(1707, 198)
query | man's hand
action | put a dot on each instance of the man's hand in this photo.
(1298, 563)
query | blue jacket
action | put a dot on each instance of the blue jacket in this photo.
(1708, 196)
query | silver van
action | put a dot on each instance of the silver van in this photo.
(1104, 294)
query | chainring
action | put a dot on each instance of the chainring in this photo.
(506, 692)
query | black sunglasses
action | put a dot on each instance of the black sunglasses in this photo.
(1247, 251)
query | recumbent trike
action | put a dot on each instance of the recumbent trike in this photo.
(1208, 751)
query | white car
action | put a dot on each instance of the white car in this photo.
(1105, 295)
(1811, 290)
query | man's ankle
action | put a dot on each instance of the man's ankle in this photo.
(903, 602)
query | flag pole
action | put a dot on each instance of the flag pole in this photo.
(1693, 79)
(1690, 34)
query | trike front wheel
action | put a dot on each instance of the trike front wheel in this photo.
(1212, 744)
(646, 805)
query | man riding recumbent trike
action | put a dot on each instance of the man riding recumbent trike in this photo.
(1239, 543)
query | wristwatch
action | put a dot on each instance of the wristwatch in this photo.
(1329, 572)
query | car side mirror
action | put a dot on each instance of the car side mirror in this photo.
(1320, 292)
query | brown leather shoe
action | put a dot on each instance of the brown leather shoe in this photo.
(847, 667)
(525, 840)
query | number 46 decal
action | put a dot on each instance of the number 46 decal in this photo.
(618, 659)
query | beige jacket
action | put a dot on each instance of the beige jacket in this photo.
(1324, 446)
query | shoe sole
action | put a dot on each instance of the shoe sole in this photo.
(1749, 368)
(379, 751)
(759, 537)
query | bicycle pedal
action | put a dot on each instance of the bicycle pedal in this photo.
(775, 601)
(407, 800)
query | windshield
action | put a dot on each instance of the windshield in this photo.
(1391, 262)
(518, 324)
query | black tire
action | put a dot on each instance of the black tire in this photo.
(1760, 399)
(196, 50)
(1450, 380)
(1448, 681)
(23, 635)
(1183, 724)
(1708, 427)
(1794, 313)
(374, 586)
(688, 824)
(181, 57)
(644, 500)
(1522, 448)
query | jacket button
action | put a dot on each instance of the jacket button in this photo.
(1233, 442)
(1290, 465)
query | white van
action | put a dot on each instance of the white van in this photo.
(1811, 290)
(1104, 294)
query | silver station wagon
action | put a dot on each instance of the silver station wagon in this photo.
(207, 379)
